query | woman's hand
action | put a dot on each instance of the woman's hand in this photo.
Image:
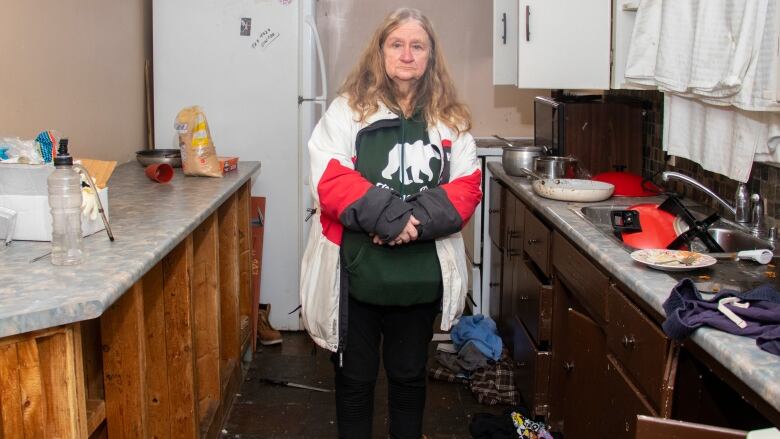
(407, 235)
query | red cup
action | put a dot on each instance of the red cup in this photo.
(160, 172)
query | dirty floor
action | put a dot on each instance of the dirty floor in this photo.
(264, 410)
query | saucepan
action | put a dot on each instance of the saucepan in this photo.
(516, 158)
(555, 167)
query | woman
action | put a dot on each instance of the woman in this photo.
(395, 176)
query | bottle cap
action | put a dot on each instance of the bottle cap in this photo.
(63, 158)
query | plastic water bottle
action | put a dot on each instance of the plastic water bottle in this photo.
(67, 246)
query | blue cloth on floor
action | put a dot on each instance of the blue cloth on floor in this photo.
(686, 310)
(481, 331)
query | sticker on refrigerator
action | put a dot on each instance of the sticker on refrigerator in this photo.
(246, 26)
(265, 39)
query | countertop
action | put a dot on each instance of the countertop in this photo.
(758, 369)
(147, 219)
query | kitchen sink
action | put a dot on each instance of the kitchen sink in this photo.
(730, 236)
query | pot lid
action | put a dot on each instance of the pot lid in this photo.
(628, 184)
(659, 227)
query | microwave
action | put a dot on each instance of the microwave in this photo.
(604, 135)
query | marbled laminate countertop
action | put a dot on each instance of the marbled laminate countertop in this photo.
(759, 370)
(148, 220)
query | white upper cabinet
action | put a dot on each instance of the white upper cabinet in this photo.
(564, 44)
(505, 29)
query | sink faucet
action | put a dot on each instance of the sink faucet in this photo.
(739, 211)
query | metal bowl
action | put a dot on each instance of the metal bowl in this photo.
(147, 157)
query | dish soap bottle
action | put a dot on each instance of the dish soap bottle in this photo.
(67, 246)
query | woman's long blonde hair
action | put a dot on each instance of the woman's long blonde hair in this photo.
(369, 84)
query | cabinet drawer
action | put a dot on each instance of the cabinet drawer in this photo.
(639, 345)
(537, 242)
(625, 402)
(532, 372)
(496, 228)
(586, 281)
(533, 304)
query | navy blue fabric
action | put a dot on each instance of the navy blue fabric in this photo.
(687, 310)
(481, 331)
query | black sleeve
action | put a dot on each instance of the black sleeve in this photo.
(437, 216)
(378, 211)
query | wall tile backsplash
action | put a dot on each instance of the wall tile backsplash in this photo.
(764, 178)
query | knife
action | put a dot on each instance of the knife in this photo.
(296, 385)
(760, 256)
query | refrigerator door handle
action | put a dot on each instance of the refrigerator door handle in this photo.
(310, 22)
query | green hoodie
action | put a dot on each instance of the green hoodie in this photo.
(395, 154)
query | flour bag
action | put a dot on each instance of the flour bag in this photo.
(198, 155)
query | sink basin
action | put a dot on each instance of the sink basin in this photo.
(726, 234)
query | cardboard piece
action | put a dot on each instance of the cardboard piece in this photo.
(23, 189)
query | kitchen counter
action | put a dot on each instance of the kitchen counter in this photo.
(758, 370)
(148, 220)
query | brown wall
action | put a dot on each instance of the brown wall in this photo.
(76, 66)
(465, 30)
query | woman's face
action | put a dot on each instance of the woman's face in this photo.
(406, 51)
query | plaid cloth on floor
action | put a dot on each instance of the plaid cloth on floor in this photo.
(443, 374)
(495, 384)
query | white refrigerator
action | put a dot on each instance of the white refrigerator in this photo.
(256, 69)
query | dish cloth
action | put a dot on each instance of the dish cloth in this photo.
(686, 311)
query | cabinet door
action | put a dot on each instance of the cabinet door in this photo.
(577, 397)
(564, 44)
(512, 254)
(494, 308)
(650, 428)
(505, 42)
(495, 227)
(625, 403)
(585, 367)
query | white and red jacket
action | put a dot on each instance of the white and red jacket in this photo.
(344, 198)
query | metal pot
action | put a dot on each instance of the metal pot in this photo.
(515, 158)
(555, 167)
(147, 157)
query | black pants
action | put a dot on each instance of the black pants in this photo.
(404, 333)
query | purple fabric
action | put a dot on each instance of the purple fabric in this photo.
(686, 310)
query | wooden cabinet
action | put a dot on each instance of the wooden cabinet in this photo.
(588, 360)
(163, 360)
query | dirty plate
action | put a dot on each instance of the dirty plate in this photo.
(571, 189)
(672, 260)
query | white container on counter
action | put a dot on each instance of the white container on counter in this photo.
(23, 189)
